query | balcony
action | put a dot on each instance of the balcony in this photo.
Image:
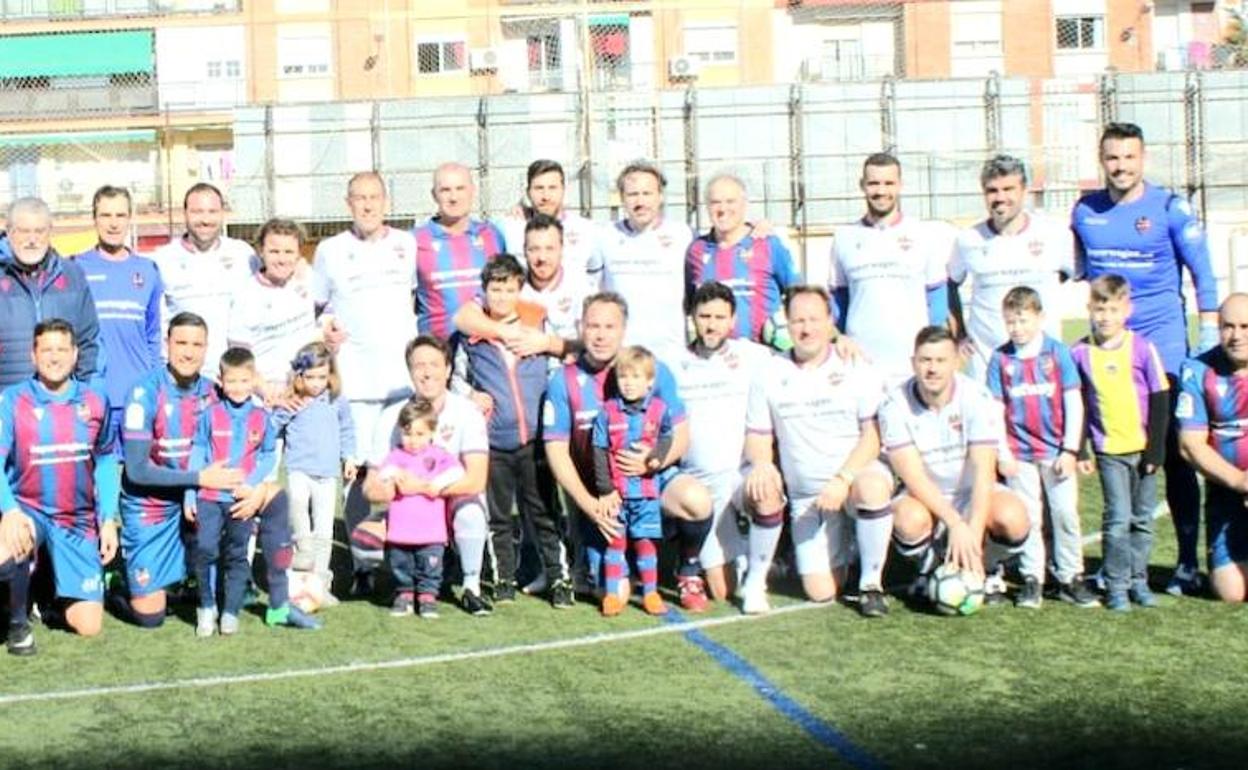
(69, 10)
(40, 98)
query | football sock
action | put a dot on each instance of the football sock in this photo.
(873, 531)
(119, 603)
(18, 576)
(764, 536)
(647, 565)
(470, 535)
(613, 562)
(691, 534)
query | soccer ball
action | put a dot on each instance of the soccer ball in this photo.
(954, 591)
(307, 590)
(775, 332)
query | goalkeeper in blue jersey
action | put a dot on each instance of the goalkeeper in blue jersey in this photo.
(1149, 234)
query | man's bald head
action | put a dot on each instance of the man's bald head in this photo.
(1233, 329)
(453, 191)
(1234, 305)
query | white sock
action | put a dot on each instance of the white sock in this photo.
(763, 541)
(874, 533)
(470, 536)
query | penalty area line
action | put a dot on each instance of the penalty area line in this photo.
(591, 640)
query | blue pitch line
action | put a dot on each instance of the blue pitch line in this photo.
(824, 733)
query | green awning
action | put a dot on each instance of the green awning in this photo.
(76, 53)
(142, 136)
(609, 20)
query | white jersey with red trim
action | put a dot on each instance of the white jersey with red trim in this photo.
(203, 282)
(563, 300)
(887, 271)
(582, 258)
(942, 436)
(647, 268)
(716, 392)
(368, 287)
(1036, 256)
(461, 429)
(816, 414)
(273, 322)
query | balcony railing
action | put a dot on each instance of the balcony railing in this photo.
(67, 100)
(67, 10)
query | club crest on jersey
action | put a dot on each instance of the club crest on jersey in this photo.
(253, 437)
(835, 378)
(84, 412)
(1035, 247)
(955, 422)
(565, 305)
(571, 238)
(649, 427)
(59, 283)
(1111, 368)
(142, 577)
(665, 240)
(205, 402)
(478, 242)
(446, 432)
(744, 254)
(1220, 387)
(1143, 225)
(168, 410)
(37, 412)
(905, 243)
(398, 251)
(137, 280)
(1046, 366)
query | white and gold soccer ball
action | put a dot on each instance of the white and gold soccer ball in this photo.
(955, 592)
(307, 590)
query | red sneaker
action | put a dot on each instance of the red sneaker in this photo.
(692, 593)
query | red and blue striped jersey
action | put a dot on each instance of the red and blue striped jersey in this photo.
(448, 271)
(1213, 398)
(758, 270)
(620, 426)
(166, 415)
(574, 396)
(49, 445)
(242, 436)
(1032, 390)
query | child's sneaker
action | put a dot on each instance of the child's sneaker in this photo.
(1142, 595)
(692, 594)
(505, 592)
(1117, 601)
(229, 624)
(205, 621)
(653, 603)
(402, 605)
(427, 607)
(291, 616)
(612, 605)
(1076, 592)
(21, 640)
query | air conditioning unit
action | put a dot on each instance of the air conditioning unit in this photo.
(483, 59)
(683, 67)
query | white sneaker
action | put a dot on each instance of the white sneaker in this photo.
(205, 621)
(229, 624)
(754, 602)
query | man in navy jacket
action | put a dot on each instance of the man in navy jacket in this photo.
(36, 283)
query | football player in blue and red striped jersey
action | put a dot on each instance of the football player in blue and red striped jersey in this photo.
(58, 486)
(1212, 410)
(158, 424)
(757, 268)
(451, 249)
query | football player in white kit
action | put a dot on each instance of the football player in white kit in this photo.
(367, 275)
(1012, 247)
(714, 378)
(544, 188)
(891, 266)
(643, 257)
(820, 409)
(204, 268)
(941, 430)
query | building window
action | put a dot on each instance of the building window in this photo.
(301, 56)
(230, 68)
(713, 43)
(437, 56)
(545, 69)
(1080, 32)
(214, 69)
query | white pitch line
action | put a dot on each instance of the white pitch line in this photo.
(416, 662)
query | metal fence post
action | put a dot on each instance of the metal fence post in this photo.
(1193, 140)
(1107, 91)
(270, 180)
(888, 114)
(797, 169)
(692, 215)
(483, 155)
(374, 135)
(992, 112)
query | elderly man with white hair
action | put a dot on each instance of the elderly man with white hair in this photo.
(36, 283)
